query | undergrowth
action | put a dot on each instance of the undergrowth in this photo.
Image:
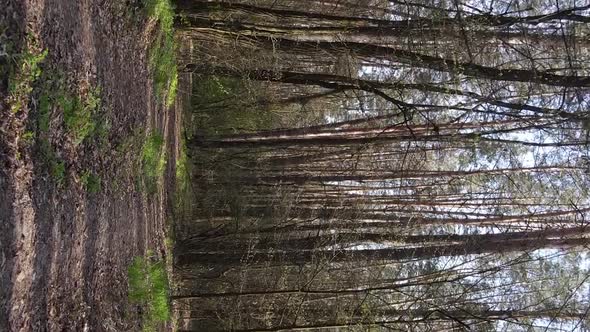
(162, 54)
(148, 287)
(223, 105)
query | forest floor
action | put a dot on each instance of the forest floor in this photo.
(74, 207)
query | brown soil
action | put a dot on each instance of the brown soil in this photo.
(64, 251)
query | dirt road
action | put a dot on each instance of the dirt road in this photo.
(64, 250)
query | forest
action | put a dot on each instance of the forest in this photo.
(285, 165)
(385, 166)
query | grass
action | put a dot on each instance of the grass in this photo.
(162, 54)
(162, 63)
(153, 161)
(169, 243)
(148, 286)
(91, 182)
(78, 114)
(56, 166)
(182, 169)
(126, 149)
(183, 191)
(28, 137)
(44, 114)
(22, 76)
